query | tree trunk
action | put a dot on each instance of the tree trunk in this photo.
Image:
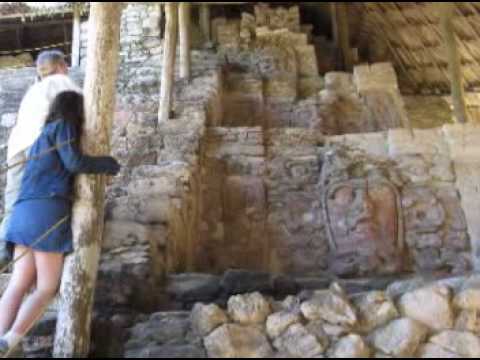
(454, 61)
(185, 60)
(80, 272)
(76, 36)
(169, 57)
(205, 22)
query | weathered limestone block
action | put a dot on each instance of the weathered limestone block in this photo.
(463, 343)
(278, 323)
(373, 144)
(386, 109)
(168, 185)
(430, 306)
(330, 305)
(167, 351)
(160, 328)
(310, 86)
(469, 321)
(234, 341)
(281, 89)
(207, 318)
(464, 147)
(317, 328)
(468, 299)
(340, 82)
(128, 233)
(262, 14)
(216, 23)
(351, 347)
(247, 27)
(145, 210)
(236, 282)
(8, 120)
(400, 338)
(279, 114)
(335, 331)
(306, 115)
(415, 168)
(375, 309)
(431, 351)
(307, 60)
(249, 309)
(424, 212)
(400, 142)
(375, 76)
(193, 287)
(299, 343)
(442, 169)
(282, 38)
(229, 35)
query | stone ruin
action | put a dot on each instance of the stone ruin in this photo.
(272, 178)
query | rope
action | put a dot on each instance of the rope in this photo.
(36, 157)
(21, 256)
(20, 51)
(36, 242)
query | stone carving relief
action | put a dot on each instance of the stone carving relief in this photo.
(364, 221)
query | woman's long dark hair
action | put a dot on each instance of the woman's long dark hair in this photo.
(68, 106)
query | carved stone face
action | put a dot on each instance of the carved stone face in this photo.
(363, 225)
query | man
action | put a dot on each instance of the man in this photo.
(52, 72)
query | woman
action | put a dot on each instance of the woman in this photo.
(40, 223)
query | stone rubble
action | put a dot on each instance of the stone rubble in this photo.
(289, 333)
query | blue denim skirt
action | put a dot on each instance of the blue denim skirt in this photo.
(34, 219)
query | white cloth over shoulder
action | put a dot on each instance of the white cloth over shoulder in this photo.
(34, 110)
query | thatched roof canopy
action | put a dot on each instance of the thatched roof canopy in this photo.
(411, 34)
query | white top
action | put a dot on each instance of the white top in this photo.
(34, 110)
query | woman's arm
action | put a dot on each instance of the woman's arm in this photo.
(74, 161)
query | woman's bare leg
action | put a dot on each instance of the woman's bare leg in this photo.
(49, 273)
(22, 280)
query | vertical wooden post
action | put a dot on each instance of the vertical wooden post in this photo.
(185, 54)
(169, 57)
(80, 272)
(161, 20)
(454, 62)
(19, 33)
(76, 36)
(205, 22)
(341, 30)
(334, 18)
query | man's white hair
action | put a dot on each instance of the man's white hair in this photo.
(48, 62)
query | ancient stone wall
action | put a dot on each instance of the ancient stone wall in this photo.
(254, 185)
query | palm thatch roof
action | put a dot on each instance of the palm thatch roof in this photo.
(30, 11)
(411, 32)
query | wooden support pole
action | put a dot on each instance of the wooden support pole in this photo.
(454, 61)
(72, 338)
(205, 24)
(185, 54)
(169, 57)
(76, 36)
(161, 20)
(341, 30)
(19, 33)
(334, 18)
